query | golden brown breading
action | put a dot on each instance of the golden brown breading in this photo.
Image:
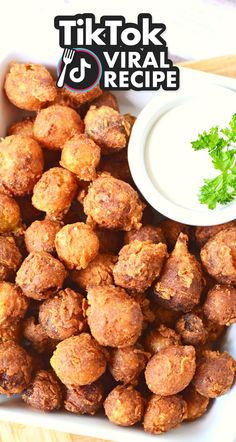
(191, 329)
(81, 156)
(220, 304)
(165, 316)
(139, 264)
(55, 124)
(163, 413)
(203, 233)
(40, 275)
(172, 230)
(124, 406)
(10, 258)
(76, 245)
(98, 272)
(196, 403)
(86, 399)
(214, 373)
(145, 233)
(66, 97)
(36, 335)
(170, 370)
(13, 306)
(29, 86)
(40, 236)
(10, 216)
(114, 317)
(78, 360)
(23, 127)
(106, 99)
(127, 363)
(113, 204)
(218, 256)
(161, 337)
(181, 281)
(54, 192)
(44, 392)
(15, 368)
(21, 165)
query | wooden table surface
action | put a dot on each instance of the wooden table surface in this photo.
(21, 433)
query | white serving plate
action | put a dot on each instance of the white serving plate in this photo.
(218, 423)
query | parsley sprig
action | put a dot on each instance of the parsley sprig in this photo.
(222, 149)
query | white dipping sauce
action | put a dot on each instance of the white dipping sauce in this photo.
(175, 169)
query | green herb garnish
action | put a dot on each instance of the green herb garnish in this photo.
(222, 149)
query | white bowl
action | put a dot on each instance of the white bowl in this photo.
(216, 424)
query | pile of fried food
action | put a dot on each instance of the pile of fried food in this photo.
(99, 305)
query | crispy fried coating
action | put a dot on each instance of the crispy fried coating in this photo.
(10, 258)
(40, 236)
(218, 256)
(124, 406)
(172, 230)
(62, 315)
(213, 330)
(107, 128)
(181, 282)
(191, 329)
(54, 192)
(127, 363)
(170, 370)
(66, 97)
(10, 216)
(131, 119)
(117, 165)
(98, 272)
(15, 368)
(161, 337)
(23, 127)
(106, 99)
(76, 245)
(220, 304)
(196, 403)
(214, 373)
(40, 275)
(29, 86)
(110, 241)
(139, 264)
(13, 307)
(113, 204)
(21, 165)
(115, 318)
(165, 316)
(86, 399)
(55, 124)
(203, 233)
(36, 335)
(78, 360)
(145, 305)
(145, 233)
(81, 156)
(163, 413)
(44, 392)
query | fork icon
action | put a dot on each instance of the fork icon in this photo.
(67, 58)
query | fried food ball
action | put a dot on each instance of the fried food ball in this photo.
(213, 330)
(62, 315)
(110, 241)
(172, 230)
(117, 165)
(203, 233)
(107, 128)
(78, 360)
(106, 99)
(170, 370)
(55, 124)
(181, 281)
(191, 329)
(54, 192)
(124, 406)
(10, 257)
(29, 86)
(145, 305)
(40, 275)
(81, 156)
(86, 399)
(218, 256)
(113, 204)
(127, 363)
(196, 403)
(15, 368)
(13, 307)
(10, 216)
(44, 392)
(214, 374)
(165, 316)
(139, 264)
(145, 233)
(76, 245)
(98, 272)
(21, 165)
(114, 317)
(36, 335)
(24, 127)
(163, 413)
(161, 337)
(220, 304)
(40, 236)
(69, 98)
